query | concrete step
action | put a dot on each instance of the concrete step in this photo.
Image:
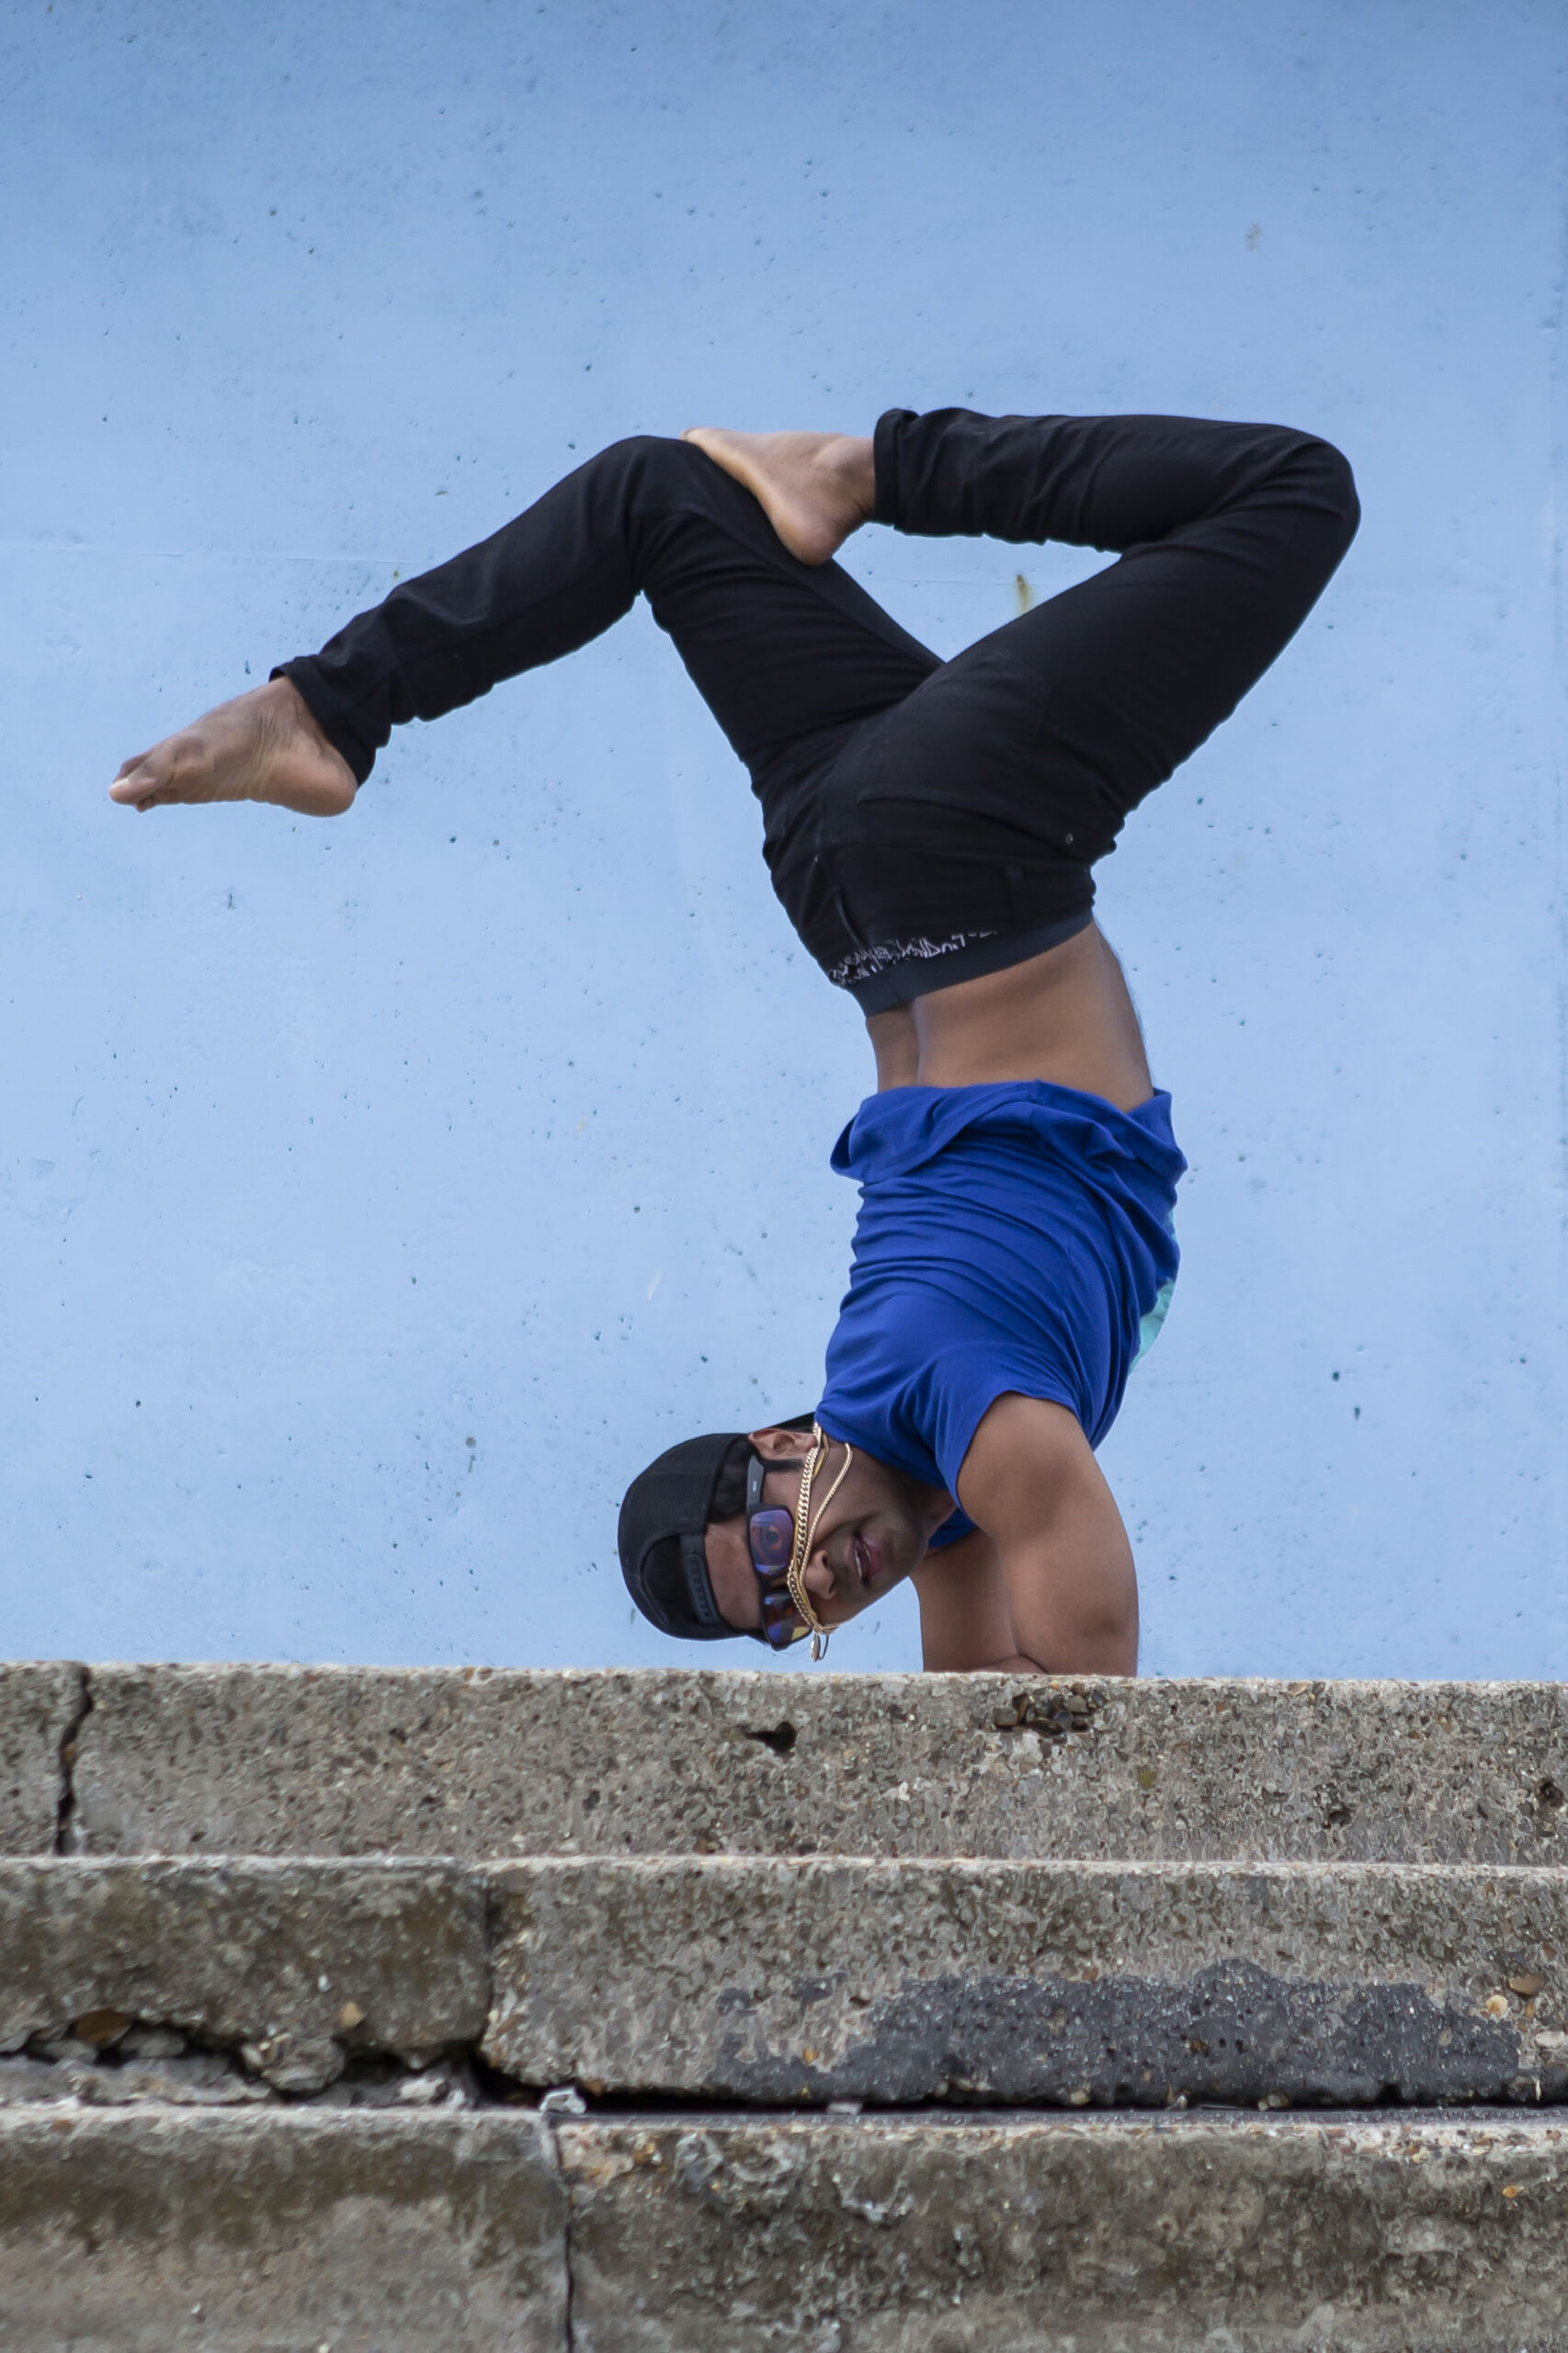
(823, 1978)
(294, 1966)
(475, 1763)
(284, 2231)
(282, 2097)
(765, 1980)
(39, 1705)
(159, 2232)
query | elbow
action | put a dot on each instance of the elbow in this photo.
(1099, 1642)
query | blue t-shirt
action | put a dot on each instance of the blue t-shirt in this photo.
(1012, 1237)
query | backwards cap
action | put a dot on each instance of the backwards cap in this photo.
(664, 1516)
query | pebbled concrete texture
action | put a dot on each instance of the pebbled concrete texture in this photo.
(1075, 1982)
(160, 2067)
(40, 1704)
(282, 2230)
(297, 1965)
(765, 1980)
(1095, 2235)
(287, 2230)
(478, 1762)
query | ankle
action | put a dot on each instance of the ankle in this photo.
(851, 459)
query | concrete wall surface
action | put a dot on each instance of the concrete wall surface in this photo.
(376, 1196)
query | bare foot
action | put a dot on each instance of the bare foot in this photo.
(264, 745)
(815, 488)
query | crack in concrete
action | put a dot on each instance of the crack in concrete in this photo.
(550, 2120)
(569, 2277)
(146, 2063)
(65, 1803)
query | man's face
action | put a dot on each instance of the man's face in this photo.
(866, 1542)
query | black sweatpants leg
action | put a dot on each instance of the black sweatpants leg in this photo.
(780, 650)
(905, 800)
(1228, 534)
(980, 804)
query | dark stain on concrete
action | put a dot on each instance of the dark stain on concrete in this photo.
(1233, 2032)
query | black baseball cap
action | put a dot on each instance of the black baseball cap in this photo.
(664, 1516)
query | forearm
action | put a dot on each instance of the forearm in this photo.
(1061, 1598)
(1064, 1567)
(1073, 1613)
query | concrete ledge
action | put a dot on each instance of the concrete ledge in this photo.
(299, 1964)
(192, 2233)
(1104, 2235)
(763, 1980)
(175, 2232)
(356, 1761)
(1075, 1982)
(39, 1705)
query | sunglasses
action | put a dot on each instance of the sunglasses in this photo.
(771, 1536)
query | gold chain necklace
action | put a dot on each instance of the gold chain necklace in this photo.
(805, 1528)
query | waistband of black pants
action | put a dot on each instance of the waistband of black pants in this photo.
(916, 968)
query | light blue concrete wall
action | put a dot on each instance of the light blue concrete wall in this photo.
(377, 1194)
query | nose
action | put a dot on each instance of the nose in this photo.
(819, 1581)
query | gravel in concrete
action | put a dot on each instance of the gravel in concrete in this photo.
(294, 1964)
(288, 2229)
(1083, 1984)
(280, 2231)
(302, 1760)
(38, 1707)
(765, 1980)
(200, 2079)
(1093, 2235)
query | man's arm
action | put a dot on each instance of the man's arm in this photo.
(966, 1625)
(1047, 1584)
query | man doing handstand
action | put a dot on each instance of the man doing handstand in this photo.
(931, 829)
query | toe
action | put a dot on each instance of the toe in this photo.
(134, 783)
(168, 772)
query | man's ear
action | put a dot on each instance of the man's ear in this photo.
(781, 1445)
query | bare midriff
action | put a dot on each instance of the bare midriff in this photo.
(1065, 1016)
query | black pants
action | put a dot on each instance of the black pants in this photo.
(924, 820)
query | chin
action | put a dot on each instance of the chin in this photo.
(903, 1550)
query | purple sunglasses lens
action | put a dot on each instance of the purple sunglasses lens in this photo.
(772, 1541)
(780, 1625)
